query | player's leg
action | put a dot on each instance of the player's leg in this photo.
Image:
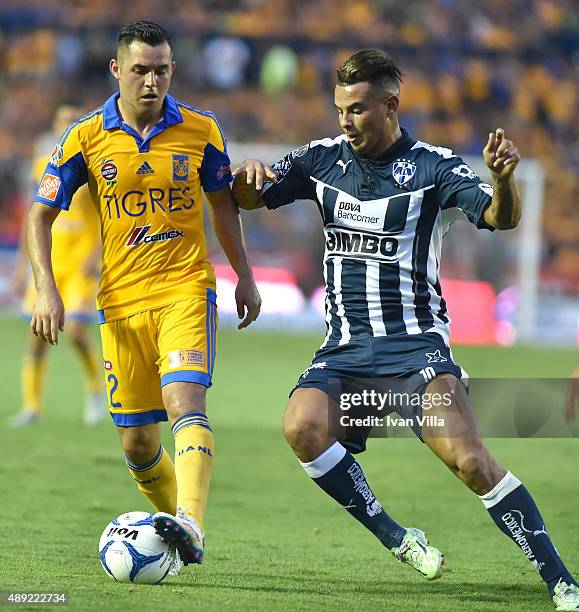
(194, 446)
(33, 376)
(150, 465)
(78, 334)
(194, 453)
(333, 468)
(187, 346)
(136, 406)
(458, 444)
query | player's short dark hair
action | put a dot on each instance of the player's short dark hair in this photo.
(146, 31)
(373, 66)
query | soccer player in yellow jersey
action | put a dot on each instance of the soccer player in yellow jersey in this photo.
(76, 262)
(146, 157)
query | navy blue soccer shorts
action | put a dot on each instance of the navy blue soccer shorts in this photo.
(410, 362)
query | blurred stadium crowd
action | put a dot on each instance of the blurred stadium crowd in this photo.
(266, 68)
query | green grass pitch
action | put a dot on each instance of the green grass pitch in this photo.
(274, 541)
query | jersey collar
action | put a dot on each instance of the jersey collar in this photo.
(112, 118)
(403, 144)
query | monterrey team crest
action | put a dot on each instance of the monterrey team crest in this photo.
(403, 170)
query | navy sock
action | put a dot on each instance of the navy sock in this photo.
(514, 511)
(340, 476)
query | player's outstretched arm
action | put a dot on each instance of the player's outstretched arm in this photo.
(227, 226)
(48, 312)
(502, 157)
(248, 183)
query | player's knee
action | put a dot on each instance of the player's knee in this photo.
(305, 433)
(182, 398)
(139, 445)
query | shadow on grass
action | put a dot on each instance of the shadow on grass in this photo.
(465, 592)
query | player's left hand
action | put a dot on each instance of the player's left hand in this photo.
(572, 403)
(256, 172)
(500, 154)
(248, 301)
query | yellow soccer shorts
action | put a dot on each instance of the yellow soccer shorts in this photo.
(148, 350)
(78, 293)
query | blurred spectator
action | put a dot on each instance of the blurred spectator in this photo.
(225, 61)
(279, 70)
(470, 67)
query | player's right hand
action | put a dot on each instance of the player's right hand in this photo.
(256, 172)
(48, 316)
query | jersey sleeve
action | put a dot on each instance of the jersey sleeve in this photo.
(293, 179)
(460, 187)
(64, 173)
(215, 170)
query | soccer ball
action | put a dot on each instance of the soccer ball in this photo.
(131, 551)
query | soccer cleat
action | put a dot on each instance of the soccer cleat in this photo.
(23, 419)
(176, 563)
(566, 596)
(182, 532)
(94, 409)
(415, 551)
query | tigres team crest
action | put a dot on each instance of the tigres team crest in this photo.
(180, 167)
(403, 170)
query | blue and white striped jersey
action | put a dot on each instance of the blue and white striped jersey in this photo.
(384, 220)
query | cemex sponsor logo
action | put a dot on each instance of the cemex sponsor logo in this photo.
(139, 236)
(373, 506)
(517, 528)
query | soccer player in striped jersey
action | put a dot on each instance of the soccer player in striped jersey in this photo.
(386, 200)
(147, 158)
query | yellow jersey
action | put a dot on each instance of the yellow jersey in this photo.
(76, 235)
(148, 196)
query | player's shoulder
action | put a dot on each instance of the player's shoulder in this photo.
(432, 152)
(197, 119)
(327, 146)
(321, 149)
(191, 113)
